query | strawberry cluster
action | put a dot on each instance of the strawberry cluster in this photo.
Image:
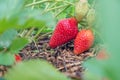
(67, 29)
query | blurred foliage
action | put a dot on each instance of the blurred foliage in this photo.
(13, 20)
(108, 11)
(17, 45)
(2, 78)
(35, 70)
(21, 20)
(60, 8)
(19, 17)
(7, 37)
(6, 58)
(10, 44)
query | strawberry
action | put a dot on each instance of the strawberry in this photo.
(81, 9)
(18, 58)
(66, 30)
(83, 41)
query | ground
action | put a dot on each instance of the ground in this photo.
(61, 57)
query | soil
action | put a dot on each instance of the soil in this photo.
(61, 57)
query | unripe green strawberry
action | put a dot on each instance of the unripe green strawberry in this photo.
(81, 9)
(83, 41)
(66, 30)
(90, 17)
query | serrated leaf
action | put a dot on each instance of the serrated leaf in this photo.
(6, 59)
(7, 37)
(29, 18)
(34, 70)
(18, 17)
(17, 45)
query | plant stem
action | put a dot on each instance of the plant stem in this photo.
(38, 2)
(39, 32)
(23, 32)
(36, 45)
(61, 11)
(69, 2)
(53, 4)
(29, 32)
(46, 7)
(31, 29)
(56, 8)
(33, 2)
(44, 35)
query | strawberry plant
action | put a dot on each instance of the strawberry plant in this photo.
(18, 23)
(13, 25)
(55, 31)
(35, 70)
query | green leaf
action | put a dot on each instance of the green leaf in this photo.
(98, 38)
(109, 24)
(17, 45)
(91, 76)
(28, 18)
(96, 69)
(90, 1)
(7, 37)
(6, 59)
(34, 70)
(6, 24)
(94, 66)
(18, 17)
(2, 78)
(10, 7)
(34, 18)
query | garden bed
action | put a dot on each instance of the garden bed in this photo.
(61, 57)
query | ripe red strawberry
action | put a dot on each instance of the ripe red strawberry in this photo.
(83, 41)
(66, 30)
(18, 58)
